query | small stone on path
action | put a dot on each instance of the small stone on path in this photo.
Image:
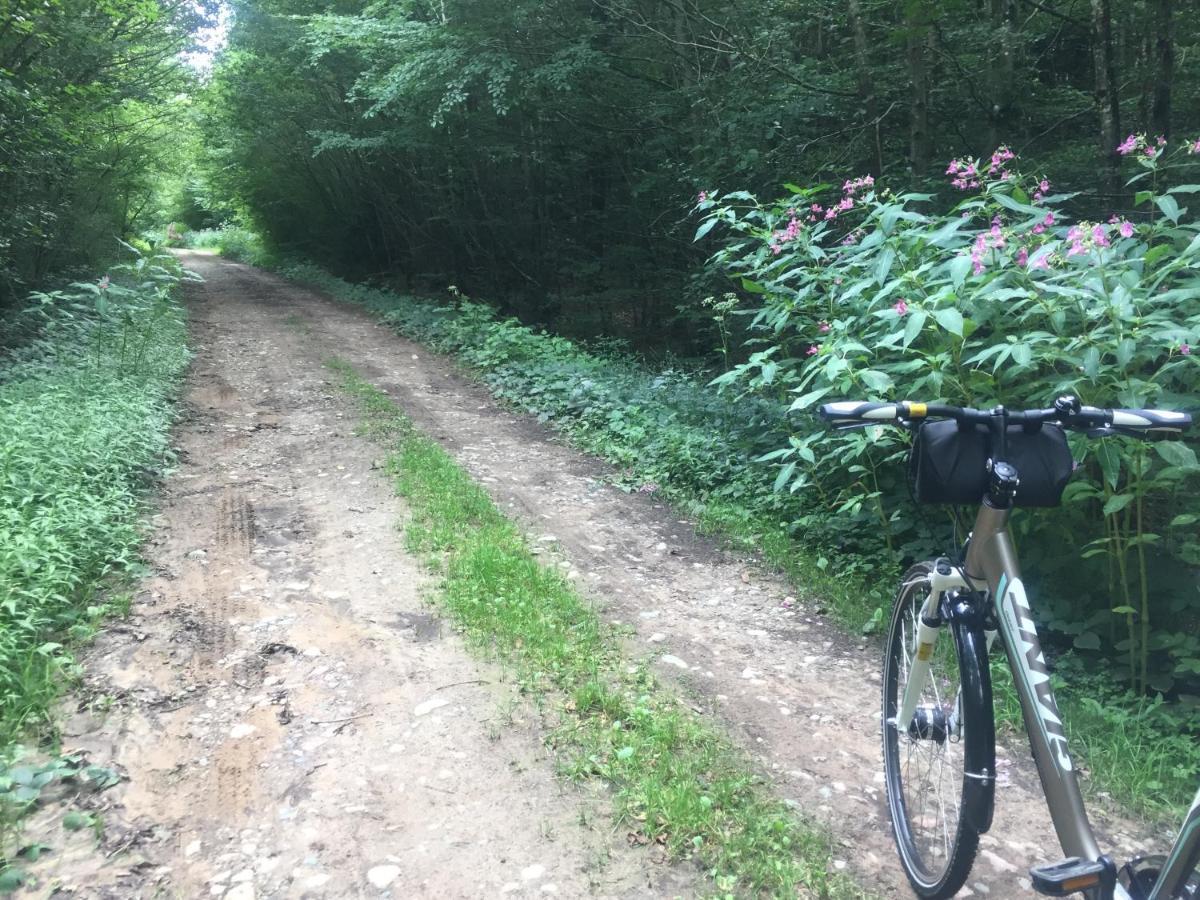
(382, 876)
(429, 706)
(673, 661)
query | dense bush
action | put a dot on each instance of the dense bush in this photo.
(999, 299)
(84, 413)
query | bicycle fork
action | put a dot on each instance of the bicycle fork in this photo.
(942, 579)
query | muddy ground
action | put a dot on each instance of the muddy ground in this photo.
(295, 721)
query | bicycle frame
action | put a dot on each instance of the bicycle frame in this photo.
(991, 567)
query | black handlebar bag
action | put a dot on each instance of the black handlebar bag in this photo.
(948, 463)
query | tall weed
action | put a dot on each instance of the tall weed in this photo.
(84, 413)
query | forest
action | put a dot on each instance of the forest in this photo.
(668, 230)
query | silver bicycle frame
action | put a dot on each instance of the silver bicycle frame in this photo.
(992, 559)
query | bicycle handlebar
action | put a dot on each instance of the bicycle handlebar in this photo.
(1066, 412)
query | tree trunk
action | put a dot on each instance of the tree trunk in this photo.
(866, 87)
(918, 36)
(1108, 103)
(1164, 57)
(1002, 118)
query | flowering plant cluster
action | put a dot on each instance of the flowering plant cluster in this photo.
(999, 298)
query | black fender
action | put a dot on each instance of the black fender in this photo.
(965, 611)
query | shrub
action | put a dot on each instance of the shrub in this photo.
(84, 413)
(999, 299)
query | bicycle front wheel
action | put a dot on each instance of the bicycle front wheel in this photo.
(939, 766)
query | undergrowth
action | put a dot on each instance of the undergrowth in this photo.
(84, 413)
(677, 782)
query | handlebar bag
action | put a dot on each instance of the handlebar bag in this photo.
(948, 463)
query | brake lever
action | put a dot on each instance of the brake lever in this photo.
(1117, 430)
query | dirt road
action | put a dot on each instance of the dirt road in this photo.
(294, 721)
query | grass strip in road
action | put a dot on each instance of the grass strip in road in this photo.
(677, 781)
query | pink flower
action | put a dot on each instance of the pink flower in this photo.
(1100, 236)
(812, 350)
(1126, 228)
(702, 197)
(1043, 185)
(1194, 148)
(900, 307)
(103, 283)
(1185, 350)
(1039, 228)
(1161, 141)
(1041, 261)
(1128, 145)
(1022, 257)
(823, 328)
(1049, 220)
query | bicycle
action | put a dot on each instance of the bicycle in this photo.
(937, 723)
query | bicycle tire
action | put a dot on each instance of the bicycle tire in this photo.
(938, 872)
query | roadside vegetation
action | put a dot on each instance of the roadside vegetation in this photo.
(86, 402)
(677, 782)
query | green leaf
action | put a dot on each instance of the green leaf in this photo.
(11, 879)
(625, 753)
(916, 321)
(1116, 503)
(1177, 454)
(1169, 207)
(806, 400)
(1089, 640)
(1185, 519)
(705, 227)
(752, 287)
(1124, 610)
(784, 476)
(959, 267)
(877, 381)
(74, 820)
(950, 319)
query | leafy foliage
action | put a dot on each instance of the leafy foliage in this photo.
(877, 295)
(90, 104)
(84, 410)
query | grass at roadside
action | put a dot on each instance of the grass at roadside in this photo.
(86, 404)
(677, 782)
